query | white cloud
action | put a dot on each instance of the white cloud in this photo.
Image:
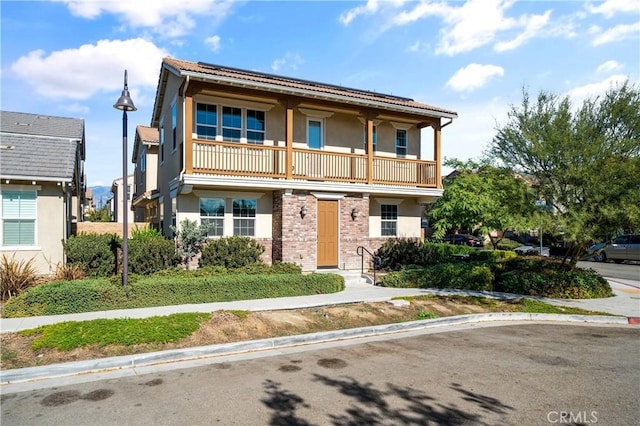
(76, 108)
(290, 60)
(419, 46)
(532, 28)
(607, 67)
(617, 33)
(579, 94)
(92, 68)
(168, 17)
(213, 42)
(367, 9)
(473, 76)
(610, 8)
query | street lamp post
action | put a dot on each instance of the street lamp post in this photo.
(125, 103)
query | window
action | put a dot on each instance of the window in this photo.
(174, 125)
(128, 192)
(161, 148)
(389, 217)
(143, 160)
(212, 211)
(244, 217)
(375, 138)
(255, 126)
(174, 211)
(206, 121)
(314, 134)
(401, 142)
(19, 218)
(231, 124)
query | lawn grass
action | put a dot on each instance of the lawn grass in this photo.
(124, 331)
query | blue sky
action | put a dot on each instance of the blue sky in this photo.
(67, 58)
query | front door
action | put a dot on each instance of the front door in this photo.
(327, 234)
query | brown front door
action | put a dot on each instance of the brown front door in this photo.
(327, 233)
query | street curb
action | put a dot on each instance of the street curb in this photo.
(22, 375)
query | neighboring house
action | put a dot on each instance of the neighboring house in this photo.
(42, 186)
(116, 202)
(145, 158)
(90, 204)
(310, 170)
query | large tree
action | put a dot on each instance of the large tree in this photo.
(485, 198)
(585, 159)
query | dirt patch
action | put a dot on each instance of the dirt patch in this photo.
(225, 327)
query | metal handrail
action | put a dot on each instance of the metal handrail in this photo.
(360, 252)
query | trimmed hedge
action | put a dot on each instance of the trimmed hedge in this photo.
(231, 252)
(151, 253)
(395, 254)
(95, 253)
(462, 275)
(65, 297)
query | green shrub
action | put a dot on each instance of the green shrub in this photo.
(95, 253)
(396, 254)
(276, 268)
(144, 231)
(576, 284)
(460, 275)
(492, 256)
(100, 294)
(231, 252)
(150, 253)
(507, 244)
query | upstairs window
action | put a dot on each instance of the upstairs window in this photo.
(231, 124)
(174, 125)
(389, 220)
(212, 212)
(161, 147)
(401, 143)
(143, 160)
(18, 218)
(206, 121)
(255, 126)
(244, 217)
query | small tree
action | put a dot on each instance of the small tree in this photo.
(100, 215)
(190, 238)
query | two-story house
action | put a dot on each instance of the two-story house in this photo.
(42, 185)
(310, 170)
(145, 158)
(120, 190)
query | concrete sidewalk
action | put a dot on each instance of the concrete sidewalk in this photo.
(625, 303)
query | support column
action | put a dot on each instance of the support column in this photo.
(188, 134)
(369, 136)
(289, 142)
(437, 153)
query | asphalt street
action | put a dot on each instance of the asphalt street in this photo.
(511, 374)
(627, 271)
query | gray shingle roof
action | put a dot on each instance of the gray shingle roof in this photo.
(37, 157)
(42, 125)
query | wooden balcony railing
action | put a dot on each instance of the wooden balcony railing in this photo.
(241, 159)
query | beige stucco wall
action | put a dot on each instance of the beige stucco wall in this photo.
(408, 217)
(189, 208)
(50, 229)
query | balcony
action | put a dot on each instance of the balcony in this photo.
(242, 159)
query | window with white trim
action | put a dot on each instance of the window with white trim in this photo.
(19, 218)
(244, 217)
(161, 147)
(143, 160)
(254, 124)
(401, 142)
(231, 124)
(212, 212)
(206, 121)
(389, 220)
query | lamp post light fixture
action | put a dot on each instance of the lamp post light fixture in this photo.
(125, 103)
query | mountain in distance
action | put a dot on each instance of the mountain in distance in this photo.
(100, 195)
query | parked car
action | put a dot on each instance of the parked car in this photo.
(532, 251)
(463, 239)
(624, 247)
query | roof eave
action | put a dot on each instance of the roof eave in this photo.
(311, 94)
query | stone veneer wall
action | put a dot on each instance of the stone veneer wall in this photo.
(353, 232)
(299, 234)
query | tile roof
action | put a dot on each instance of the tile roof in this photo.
(148, 134)
(303, 85)
(41, 125)
(28, 156)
